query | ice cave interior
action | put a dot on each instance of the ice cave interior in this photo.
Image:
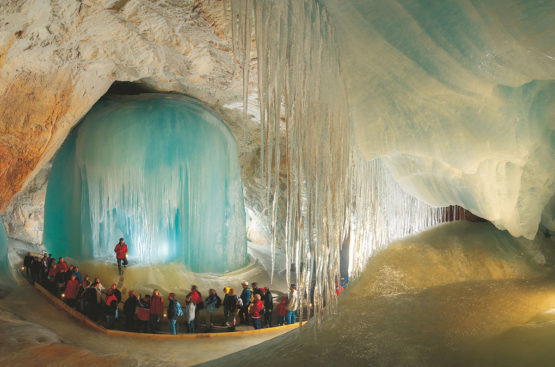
(286, 142)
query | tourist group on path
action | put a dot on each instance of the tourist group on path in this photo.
(143, 313)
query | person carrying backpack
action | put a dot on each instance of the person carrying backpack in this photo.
(212, 302)
(230, 306)
(246, 295)
(172, 313)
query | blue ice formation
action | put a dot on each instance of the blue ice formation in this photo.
(4, 263)
(158, 170)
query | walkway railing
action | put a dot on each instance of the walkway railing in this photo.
(88, 322)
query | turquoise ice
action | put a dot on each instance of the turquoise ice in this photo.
(4, 263)
(160, 171)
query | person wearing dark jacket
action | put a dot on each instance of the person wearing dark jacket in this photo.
(246, 300)
(27, 260)
(230, 306)
(93, 306)
(51, 261)
(255, 289)
(35, 270)
(110, 307)
(172, 313)
(60, 280)
(44, 270)
(268, 301)
(129, 308)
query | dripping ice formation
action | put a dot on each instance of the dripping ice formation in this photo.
(160, 171)
(454, 101)
(458, 98)
(332, 196)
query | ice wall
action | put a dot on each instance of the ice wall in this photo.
(160, 171)
(4, 263)
(458, 97)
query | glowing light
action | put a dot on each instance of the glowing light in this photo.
(63, 295)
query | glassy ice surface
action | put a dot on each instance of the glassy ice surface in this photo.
(160, 171)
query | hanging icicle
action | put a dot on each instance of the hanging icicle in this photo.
(331, 193)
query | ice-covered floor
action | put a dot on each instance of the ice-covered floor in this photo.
(462, 294)
(34, 332)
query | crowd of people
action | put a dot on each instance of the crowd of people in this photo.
(254, 305)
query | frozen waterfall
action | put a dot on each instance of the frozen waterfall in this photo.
(160, 171)
(314, 174)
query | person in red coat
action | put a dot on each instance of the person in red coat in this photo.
(281, 310)
(156, 310)
(121, 254)
(62, 265)
(72, 291)
(256, 310)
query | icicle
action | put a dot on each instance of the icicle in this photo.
(317, 184)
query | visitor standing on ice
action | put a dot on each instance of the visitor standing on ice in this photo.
(121, 254)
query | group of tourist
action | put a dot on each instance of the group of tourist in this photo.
(143, 313)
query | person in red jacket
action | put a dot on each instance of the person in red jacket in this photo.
(156, 310)
(110, 307)
(256, 310)
(281, 310)
(72, 291)
(121, 254)
(196, 297)
(62, 265)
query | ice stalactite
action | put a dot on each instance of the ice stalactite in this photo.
(312, 170)
(381, 212)
(161, 171)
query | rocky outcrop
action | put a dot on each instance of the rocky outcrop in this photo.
(24, 217)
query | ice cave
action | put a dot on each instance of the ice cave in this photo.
(394, 160)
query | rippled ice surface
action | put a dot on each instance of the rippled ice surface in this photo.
(450, 297)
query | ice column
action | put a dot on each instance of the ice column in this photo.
(160, 171)
(4, 263)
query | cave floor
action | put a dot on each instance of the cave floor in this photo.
(33, 332)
